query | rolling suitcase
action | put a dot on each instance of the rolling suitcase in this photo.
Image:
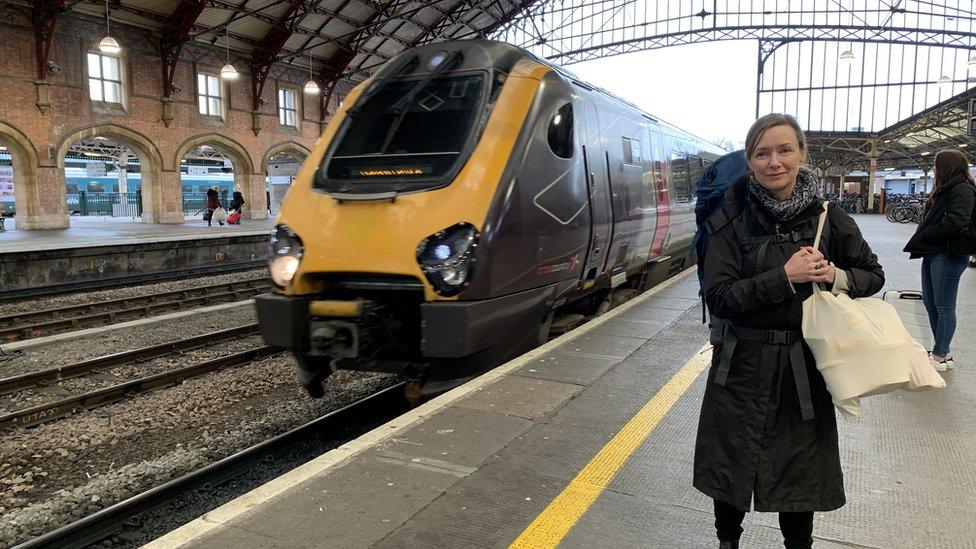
(234, 218)
(910, 308)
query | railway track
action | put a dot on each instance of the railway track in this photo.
(131, 280)
(120, 517)
(33, 324)
(43, 413)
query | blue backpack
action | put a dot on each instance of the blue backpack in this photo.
(710, 196)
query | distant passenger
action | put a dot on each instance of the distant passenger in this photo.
(213, 203)
(267, 196)
(237, 204)
(767, 432)
(944, 240)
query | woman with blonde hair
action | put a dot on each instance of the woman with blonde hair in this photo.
(767, 436)
(944, 240)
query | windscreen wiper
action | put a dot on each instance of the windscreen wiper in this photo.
(377, 84)
(402, 107)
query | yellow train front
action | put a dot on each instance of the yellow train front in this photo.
(456, 201)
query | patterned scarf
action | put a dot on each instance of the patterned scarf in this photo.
(804, 194)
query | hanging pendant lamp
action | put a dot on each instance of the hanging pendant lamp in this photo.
(108, 44)
(311, 87)
(228, 72)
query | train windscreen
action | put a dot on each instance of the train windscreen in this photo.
(408, 136)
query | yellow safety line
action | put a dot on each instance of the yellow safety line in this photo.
(549, 528)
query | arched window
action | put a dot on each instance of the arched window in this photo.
(560, 132)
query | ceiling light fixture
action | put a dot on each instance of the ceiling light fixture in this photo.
(847, 57)
(311, 88)
(228, 72)
(945, 82)
(108, 44)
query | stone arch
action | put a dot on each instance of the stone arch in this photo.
(276, 192)
(155, 202)
(285, 146)
(244, 173)
(27, 198)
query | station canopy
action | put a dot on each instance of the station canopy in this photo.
(887, 80)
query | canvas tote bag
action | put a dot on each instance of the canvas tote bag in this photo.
(861, 346)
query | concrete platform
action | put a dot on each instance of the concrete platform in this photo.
(93, 252)
(94, 231)
(598, 427)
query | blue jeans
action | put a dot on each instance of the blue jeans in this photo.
(940, 284)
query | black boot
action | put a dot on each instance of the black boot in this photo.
(728, 544)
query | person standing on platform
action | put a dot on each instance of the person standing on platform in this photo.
(267, 196)
(944, 240)
(237, 203)
(767, 434)
(213, 202)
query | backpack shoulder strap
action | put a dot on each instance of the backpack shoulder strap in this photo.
(719, 219)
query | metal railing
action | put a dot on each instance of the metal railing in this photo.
(194, 203)
(105, 204)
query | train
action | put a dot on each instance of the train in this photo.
(462, 198)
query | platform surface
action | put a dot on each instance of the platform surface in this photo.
(476, 466)
(94, 231)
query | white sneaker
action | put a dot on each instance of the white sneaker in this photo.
(941, 365)
(950, 362)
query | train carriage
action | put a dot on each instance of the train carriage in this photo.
(461, 198)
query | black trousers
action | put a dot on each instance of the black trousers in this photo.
(797, 528)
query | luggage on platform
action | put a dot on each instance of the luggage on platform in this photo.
(234, 218)
(910, 308)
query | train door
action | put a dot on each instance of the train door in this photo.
(599, 192)
(659, 174)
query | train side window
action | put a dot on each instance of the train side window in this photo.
(632, 151)
(560, 132)
(695, 169)
(678, 168)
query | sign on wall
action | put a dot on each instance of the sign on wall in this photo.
(95, 169)
(6, 183)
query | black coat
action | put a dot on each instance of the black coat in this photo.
(949, 224)
(213, 200)
(237, 202)
(753, 444)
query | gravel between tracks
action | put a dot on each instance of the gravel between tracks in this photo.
(80, 298)
(56, 473)
(71, 351)
(92, 382)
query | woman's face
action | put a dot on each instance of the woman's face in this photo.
(776, 160)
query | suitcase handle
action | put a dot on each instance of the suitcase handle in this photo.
(906, 295)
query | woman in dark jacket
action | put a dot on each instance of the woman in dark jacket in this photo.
(944, 240)
(213, 202)
(237, 202)
(767, 432)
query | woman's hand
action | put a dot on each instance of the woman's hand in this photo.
(809, 265)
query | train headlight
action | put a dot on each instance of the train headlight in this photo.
(447, 258)
(286, 254)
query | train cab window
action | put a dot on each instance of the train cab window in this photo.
(632, 151)
(695, 169)
(409, 135)
(680, 181)
(560, 132)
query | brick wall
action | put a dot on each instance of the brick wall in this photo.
(72, 110)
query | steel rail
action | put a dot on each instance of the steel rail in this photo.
(53, 375)
(29, 331)
(129, 280)
(124, 302)
(111, 520)
(44, 413)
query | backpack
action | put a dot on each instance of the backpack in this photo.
(710, 195)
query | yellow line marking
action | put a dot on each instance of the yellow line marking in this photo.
(549, 528)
